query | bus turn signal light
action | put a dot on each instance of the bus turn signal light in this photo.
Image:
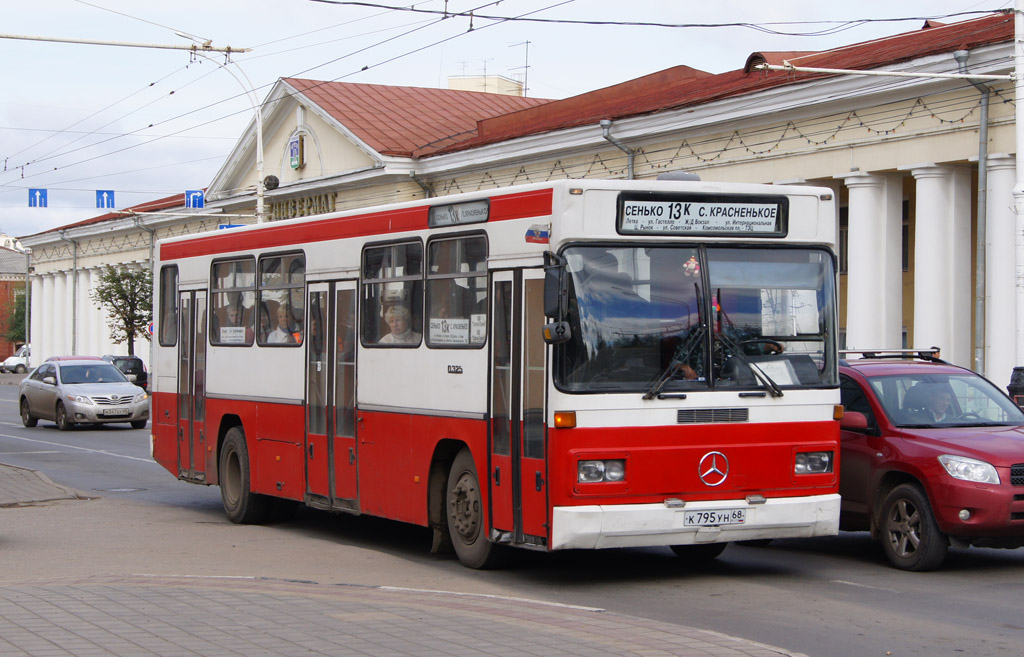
(565, 419)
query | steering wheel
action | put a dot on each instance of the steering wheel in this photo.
(968, 416)
(775, 346)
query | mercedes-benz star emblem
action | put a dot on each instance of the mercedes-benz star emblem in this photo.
(713, 468)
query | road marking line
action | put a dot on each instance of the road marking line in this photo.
(862, 586)
(83, 449)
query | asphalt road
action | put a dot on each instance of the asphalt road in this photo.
(832, 596)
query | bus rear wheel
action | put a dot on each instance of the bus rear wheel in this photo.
(241, 505)
(464, 508)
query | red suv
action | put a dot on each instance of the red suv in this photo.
(932, 456)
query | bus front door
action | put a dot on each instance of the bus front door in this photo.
(192, 452)
(518, 468)
(331, 464)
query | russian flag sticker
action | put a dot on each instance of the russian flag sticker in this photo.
(538, 233)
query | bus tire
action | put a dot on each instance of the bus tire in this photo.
(241, 505)
(465, 512)
(700, 552)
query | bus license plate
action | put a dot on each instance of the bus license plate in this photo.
(117, 412)
(714, 517)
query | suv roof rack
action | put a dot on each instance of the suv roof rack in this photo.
(931, 355)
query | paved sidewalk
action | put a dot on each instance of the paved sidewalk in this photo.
(20, 486)
(138, 615)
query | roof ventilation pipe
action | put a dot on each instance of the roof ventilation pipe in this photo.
(980, 284)
(606, 131)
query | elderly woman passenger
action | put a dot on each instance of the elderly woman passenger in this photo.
(399, 321)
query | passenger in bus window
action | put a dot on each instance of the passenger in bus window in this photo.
(283, 332)
(399, 321)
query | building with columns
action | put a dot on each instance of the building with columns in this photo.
(903, 155)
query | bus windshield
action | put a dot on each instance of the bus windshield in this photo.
(653, 319)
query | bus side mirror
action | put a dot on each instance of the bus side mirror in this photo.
(557, 332)
(554, 286)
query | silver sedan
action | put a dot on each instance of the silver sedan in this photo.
(71, 392)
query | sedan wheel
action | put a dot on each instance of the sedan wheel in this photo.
(63, 423)
(910, 536)
(26, 415)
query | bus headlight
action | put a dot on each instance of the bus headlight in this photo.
(593, 471)
(813, 463)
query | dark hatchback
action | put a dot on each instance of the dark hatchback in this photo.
(932, 456)
(133, 369)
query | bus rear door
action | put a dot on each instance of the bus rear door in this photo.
(192, 451)
(518, 473)
(331, 463)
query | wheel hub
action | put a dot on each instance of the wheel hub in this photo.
(465, 507)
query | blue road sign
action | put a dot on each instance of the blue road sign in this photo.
(194, 198)
(105, 198)
(37, 198)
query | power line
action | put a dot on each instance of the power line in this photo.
(838, 26)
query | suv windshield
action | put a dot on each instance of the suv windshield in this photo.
(926, 400)
(655, 318)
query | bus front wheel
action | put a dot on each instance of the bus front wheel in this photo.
(240, 504)
(464, 508)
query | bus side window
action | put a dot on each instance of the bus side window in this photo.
(392, 293)
(281, 286)
(168, 318)
(457, 292)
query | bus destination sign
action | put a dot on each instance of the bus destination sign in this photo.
(703, 215)
(456, 214)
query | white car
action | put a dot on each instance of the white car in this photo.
(18, 362)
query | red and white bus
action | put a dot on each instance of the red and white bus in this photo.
(576, 364)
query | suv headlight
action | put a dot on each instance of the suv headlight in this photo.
(961, 467)
(592, 471)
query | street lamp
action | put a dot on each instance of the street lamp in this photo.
(257, 108)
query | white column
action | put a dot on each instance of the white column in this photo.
(942, 262)
(1000, 297)
(97, 327)
(36, 321)
(46, 316)
(874, 282)
(84, 325)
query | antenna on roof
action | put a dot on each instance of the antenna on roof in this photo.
(525, 67)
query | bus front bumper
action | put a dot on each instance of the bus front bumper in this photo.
(640, 525)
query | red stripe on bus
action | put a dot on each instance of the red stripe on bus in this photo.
(520, 206)
(510, 206)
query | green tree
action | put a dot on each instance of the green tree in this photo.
(127, 295)
(16, 322)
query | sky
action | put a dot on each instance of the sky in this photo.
(145, 123)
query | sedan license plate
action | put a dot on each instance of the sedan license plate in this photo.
(714, 517)
(116, 412)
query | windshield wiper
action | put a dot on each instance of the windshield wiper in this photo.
(773, 388)
(682, 355)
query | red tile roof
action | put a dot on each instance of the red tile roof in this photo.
(400, 120)
(176, 201)
(682, 87)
